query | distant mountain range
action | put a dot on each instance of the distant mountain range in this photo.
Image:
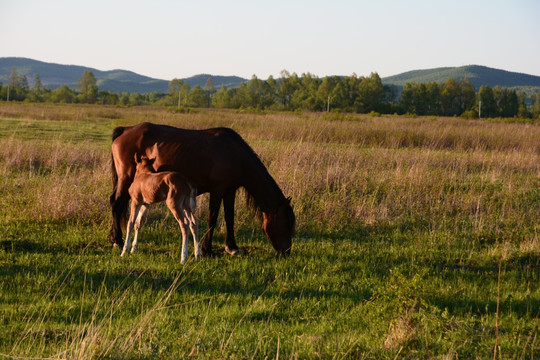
(477, 75)
(54, 75)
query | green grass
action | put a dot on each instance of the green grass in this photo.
(402, 225)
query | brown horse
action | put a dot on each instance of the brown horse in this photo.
(148, 188)
(217, 161)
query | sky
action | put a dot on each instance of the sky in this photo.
(168, 39)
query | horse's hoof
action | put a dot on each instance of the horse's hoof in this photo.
(117, 245)
(233, 252)
(208, 253)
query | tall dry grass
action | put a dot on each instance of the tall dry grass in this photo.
(340, 170)
(52, 180)
(347, 184)
(363, 130)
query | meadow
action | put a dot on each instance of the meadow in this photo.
(417, 238)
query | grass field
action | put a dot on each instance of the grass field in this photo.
(417, 238)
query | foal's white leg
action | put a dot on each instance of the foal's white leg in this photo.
(185, 242)
(178, 215)
(142, 211)
(194, 227)
(132, 217)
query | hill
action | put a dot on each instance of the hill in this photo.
(218, 80)
(477, 75)
(54, 75)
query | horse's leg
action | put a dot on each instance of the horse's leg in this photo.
(142, 211)
(194, 227)
(228, 206)
(185, 242)
(134, 212)
(119, 202)
(176, 208)
(119, 205)
(215, 203)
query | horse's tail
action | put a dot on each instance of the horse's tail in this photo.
(116, 133)
(119, 208)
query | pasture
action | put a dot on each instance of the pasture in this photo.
(417, 238)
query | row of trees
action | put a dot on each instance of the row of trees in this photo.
(457, 98)
(357, 94)
(292, 92)
(17, 89)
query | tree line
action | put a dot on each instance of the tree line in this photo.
(291, 92)
(460, 98)
(87, 92)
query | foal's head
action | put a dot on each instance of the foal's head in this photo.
(144, 164)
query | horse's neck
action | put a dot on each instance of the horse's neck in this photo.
(265, 192)
(145, 170)
(148, 168)
(142, 175)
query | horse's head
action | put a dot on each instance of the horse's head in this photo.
(279, 227)
(144, 164)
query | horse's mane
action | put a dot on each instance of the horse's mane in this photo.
(251, 202)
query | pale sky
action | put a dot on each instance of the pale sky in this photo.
(165, 39)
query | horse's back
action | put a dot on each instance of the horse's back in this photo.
(210, 158)
(146, 134)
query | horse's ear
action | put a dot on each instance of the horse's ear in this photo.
(137, 158)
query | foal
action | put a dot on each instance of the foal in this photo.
(150, 187)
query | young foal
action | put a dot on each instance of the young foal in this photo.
(150, 187)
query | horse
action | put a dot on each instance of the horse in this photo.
(216, 161)
(150, 187)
